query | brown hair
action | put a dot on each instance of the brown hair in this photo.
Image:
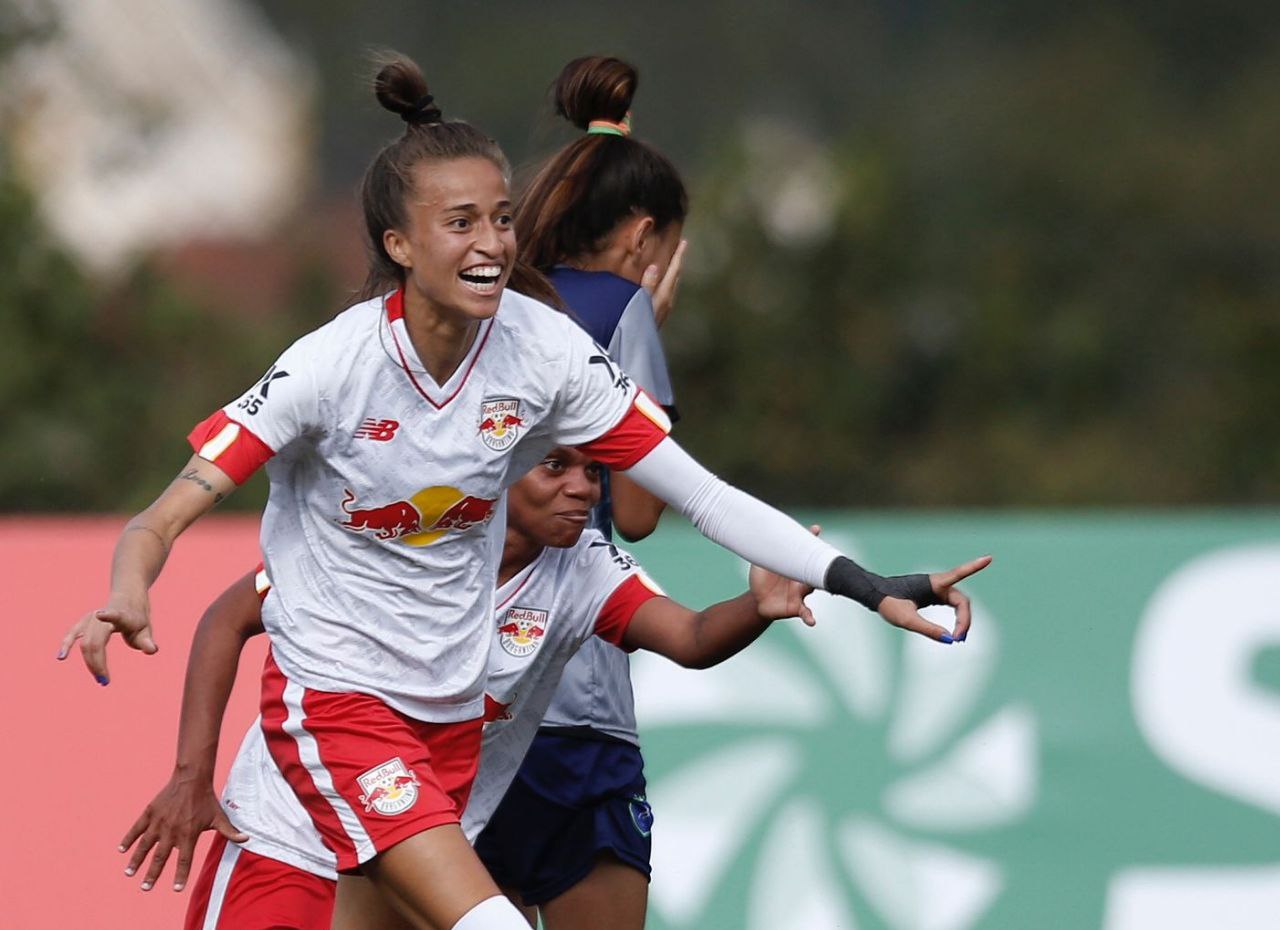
(388, 182)
(581, 194)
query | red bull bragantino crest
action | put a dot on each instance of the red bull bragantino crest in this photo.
(500, 422)
(521, 630)
(422, 519)
(388, 789)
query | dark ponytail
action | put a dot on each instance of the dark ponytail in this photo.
(388, 181)
(581, 194)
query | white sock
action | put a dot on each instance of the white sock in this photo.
(496, 913)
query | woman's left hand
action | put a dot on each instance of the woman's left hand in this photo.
(778, 597)
(175, 818)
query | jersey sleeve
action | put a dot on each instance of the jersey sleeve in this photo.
(734, 519)
(261, 582)
(618, 585)
(600, 409)
(637, 347)
(280, 407)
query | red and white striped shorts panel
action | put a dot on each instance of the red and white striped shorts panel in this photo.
(240, 890)
(368, 775)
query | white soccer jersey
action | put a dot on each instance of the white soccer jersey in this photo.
(543, 615)
(383, 484)
(567, 594)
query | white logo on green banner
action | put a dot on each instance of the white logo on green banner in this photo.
(831, 772)
(1200, 709)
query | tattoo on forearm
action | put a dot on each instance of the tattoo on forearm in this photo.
(191, 475)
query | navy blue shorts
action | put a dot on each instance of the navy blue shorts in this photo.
(572, 800)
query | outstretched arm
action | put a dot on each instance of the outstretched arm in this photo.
(140, 554)
(701, 639)
(188, 805)
(766, 537)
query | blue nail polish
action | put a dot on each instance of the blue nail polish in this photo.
(100, 679)
(946, 639)
(61, 655)
(963, 638)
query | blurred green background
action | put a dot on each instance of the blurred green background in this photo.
(942, 254)
(988, 256)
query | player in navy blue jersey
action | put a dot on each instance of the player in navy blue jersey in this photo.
(603, 220)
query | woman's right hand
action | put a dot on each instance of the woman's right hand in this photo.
(132, 619)
(140, 554)
(905, 614)
(184, 808)
(662, 285)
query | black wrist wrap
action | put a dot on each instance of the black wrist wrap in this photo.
(849, 579)
(915, 588)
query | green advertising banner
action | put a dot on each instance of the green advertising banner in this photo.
(1103, 751)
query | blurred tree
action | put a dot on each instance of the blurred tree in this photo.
(98, 383)
(941, 256)
(1045, 278)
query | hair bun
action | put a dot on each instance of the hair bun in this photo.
(595, 88)
(401, 88)
(423, 112)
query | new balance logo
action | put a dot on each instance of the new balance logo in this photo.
(377, 430)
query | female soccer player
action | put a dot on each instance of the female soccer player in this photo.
(557, 586)
(601, 219)
(388, 436)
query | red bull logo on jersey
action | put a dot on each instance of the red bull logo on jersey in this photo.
(521, 630)
(422, 519)
(385, 522)
(388, 789)
(500, 422)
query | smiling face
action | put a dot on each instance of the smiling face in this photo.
(550, 505)
(459, 244)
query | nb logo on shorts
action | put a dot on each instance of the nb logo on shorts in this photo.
(388, 789)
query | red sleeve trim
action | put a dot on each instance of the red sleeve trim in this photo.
(615, 616)
(229, 445)
(644, 425)
(261, 583)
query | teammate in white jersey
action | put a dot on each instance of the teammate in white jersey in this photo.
(388, 436)
(558, 587)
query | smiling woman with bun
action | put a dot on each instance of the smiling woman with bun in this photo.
(380, 544)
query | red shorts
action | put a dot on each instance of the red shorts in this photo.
(239, 890)
(368, 775)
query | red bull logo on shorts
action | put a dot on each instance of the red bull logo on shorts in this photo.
(500, 422)
(495, 710)
(422, 519)
(521, 630)
(388, 789)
